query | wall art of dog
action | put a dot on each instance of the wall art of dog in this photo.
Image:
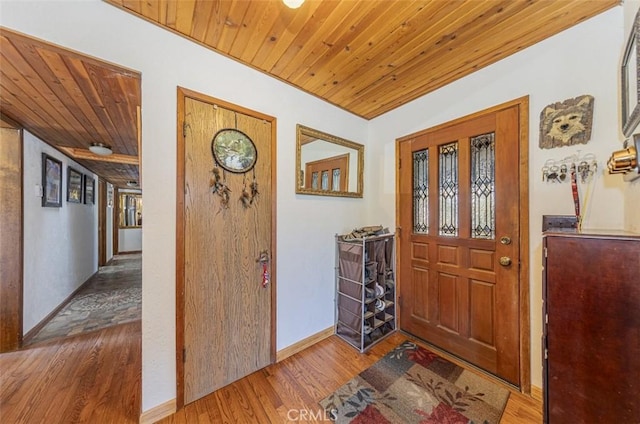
(566, 123)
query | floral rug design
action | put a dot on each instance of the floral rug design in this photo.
(414, 385)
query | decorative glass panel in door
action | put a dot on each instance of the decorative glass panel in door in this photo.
(458, 196)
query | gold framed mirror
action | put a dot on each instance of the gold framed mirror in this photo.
(327, 165)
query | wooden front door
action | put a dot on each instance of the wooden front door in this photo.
(228, 325)
(459, 239)
(331, 174)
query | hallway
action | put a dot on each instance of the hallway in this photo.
(112, 296)
(84, 366)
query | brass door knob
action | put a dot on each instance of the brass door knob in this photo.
(505, 261)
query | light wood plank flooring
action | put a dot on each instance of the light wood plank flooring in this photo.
(95, 378)
(89, 378)
(290, 390)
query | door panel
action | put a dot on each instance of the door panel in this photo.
(336, 170)
(227, 313)
(459, 195)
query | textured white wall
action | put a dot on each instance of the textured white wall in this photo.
(60, 244)
(581, 60)
(129, 240)
(305, 276)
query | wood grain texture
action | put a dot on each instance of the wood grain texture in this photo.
(102, 222)
(591, 296)
(69, 100)
(284, 391)
(470, 311)
(367, 56)
(90, 378)
(11, 238)
(227, 313)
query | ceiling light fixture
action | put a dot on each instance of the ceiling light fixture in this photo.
(132, 183)
(100, 149)
(293, 4)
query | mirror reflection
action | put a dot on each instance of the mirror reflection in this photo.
(130, 210)
(328, 165)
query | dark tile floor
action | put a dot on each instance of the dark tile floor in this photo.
(113, 296)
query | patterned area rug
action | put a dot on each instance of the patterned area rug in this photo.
(413, 385)
(112, 296)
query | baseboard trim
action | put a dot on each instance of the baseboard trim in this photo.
(159, 412)
(44, 321)
(536, 393)
(303, 344)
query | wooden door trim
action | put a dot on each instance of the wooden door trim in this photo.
(183, 94)
(12, 231)
(102, 222)
(523, 182)
(116, 220)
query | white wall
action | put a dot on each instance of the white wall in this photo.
(305, 275)
(60, 244)
(581, 60)
(129, 240)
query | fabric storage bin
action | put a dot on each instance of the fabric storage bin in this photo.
(349, 334)
(350, 288)
(350, 262)
(351, 320)
(349, 304)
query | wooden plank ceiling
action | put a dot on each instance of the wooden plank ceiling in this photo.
(70, 100)
(367, 56)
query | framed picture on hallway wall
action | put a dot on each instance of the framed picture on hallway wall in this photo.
(51, 182)
(74, 186)
(89, 188)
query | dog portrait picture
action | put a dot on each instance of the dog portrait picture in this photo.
(566, 123)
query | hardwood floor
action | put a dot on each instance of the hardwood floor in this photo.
(290, 390)
(89, 378)
(95, 378)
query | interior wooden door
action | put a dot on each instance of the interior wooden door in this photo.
(228, 313)
(331, 174)
(459, 240)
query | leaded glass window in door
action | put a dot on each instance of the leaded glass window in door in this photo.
(483, 214)
(448, 189)
(335, 182)
(421, 191)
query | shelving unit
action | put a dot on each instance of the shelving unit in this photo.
(365, 290)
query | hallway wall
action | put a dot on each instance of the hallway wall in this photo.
(60, 244)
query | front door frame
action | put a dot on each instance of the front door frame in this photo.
(183, 94)
(524, 324)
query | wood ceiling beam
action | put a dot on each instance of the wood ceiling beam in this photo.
(76, 153)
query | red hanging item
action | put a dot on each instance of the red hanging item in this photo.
(574, 190)
(265, 274)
